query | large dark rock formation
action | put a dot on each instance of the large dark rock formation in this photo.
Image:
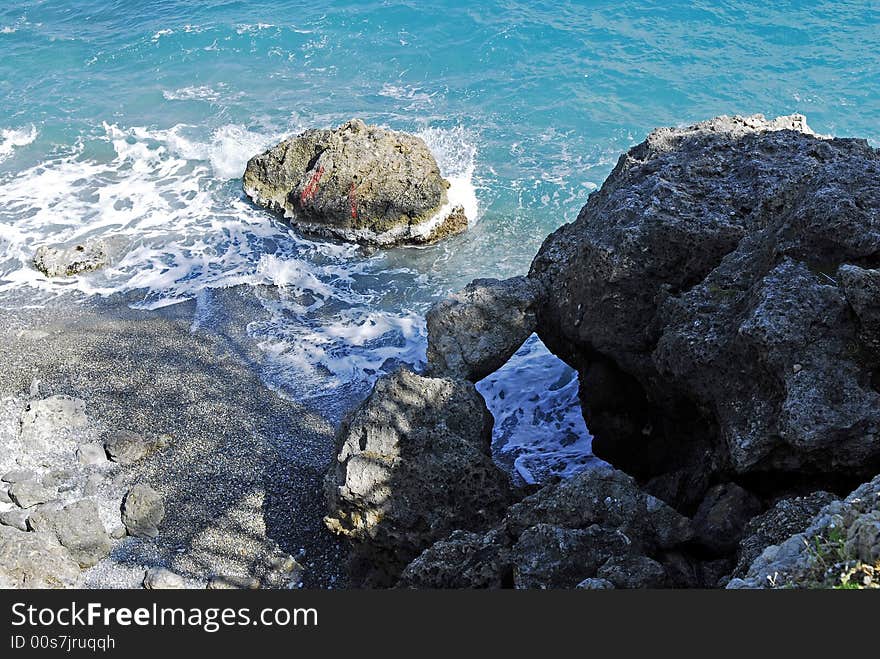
(359, 183)
(719, 299)
(597, 524)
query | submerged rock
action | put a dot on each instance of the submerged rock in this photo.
(697, 294)
(474, 332)
(357, 182)
(142, 511)
(412, 466)
(34, 560)
(58, 261)
(597, 524)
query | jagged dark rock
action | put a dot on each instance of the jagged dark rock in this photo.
(718, 298)
(593, 525)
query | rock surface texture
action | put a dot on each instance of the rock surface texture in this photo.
(360, 183)
(412, 466)
(718, 296)
(474, 332)
(597, 525)
(56, 261)
(838, 548)
(34, 560)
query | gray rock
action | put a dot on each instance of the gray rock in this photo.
(721, 519)
(91, 454)
(357, 182)
(557, 537)
(44, 419)
(547, 556)
(34, 560)
(696, 295)
(18, 476)
(4, 494)
(786, 518)
(118, 532)
(160, 578)
(840, 535)
(27, 494)
(142, 511)
(862, 290)
(412, 465)
(474, 332)
(58, 478)
(16, 518)
(633, 572)
(93, 485)
(60, 261)
(594, 583)
(126, 447)
(78, 527)
(233, 583)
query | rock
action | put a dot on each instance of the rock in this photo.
(93, 485)
(142, 511)
(633, 572)
(91, 454)
(16, 518)
(594, 583)
(837, 543)
(58, 478)
(862, 290)
(721, 519)
(44, 419)
(34, 560)
(359, 183)
(59, 261)
(786, 518)
(78, 527)
(695, 279)
(557, 537)
(474, 332)
(233, 583)
(126, 447)
(27, 494)
(118, 532)
(412, 465)
(547, 556)
(18, 476)
(863, 538)
(159, 578)
(4, 494)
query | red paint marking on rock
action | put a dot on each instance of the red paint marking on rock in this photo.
(352, 201)
(312, 186)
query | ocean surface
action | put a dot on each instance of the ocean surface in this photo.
(133, 121)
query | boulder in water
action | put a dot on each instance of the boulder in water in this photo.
(357, 182)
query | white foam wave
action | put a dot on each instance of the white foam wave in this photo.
(11, 138)
(192, 93)
(456, 154)
(538, 422)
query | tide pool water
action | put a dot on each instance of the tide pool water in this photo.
(133, 121)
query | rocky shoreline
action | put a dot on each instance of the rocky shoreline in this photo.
(719, 297)
(719, 301)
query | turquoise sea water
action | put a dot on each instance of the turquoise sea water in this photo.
(133, 121)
